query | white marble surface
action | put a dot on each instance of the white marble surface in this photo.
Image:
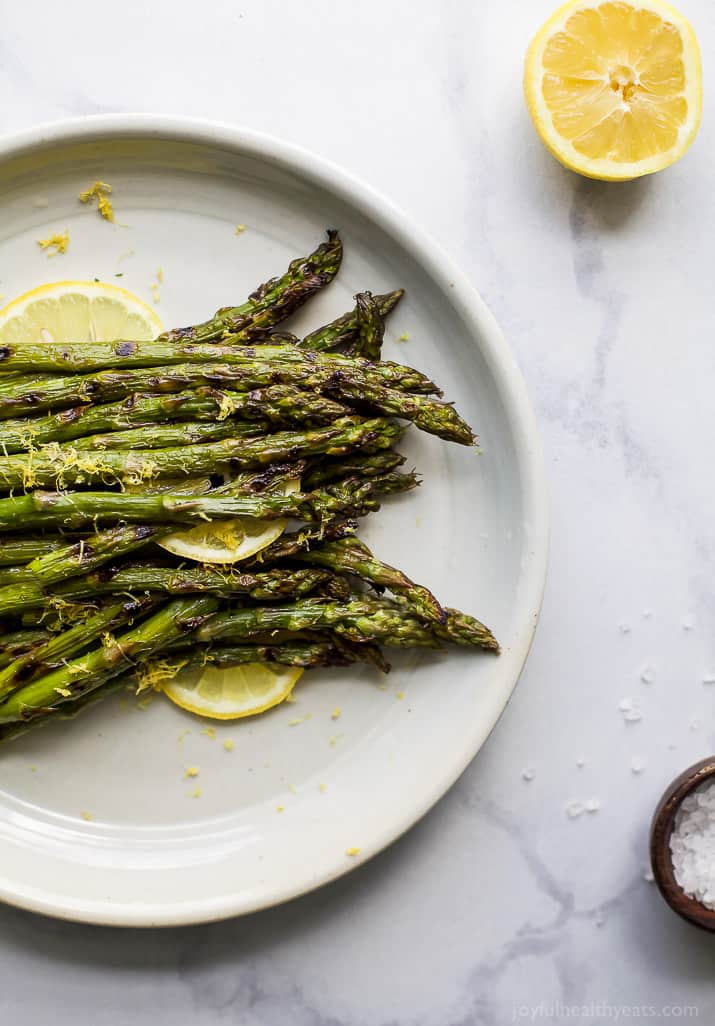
(498, 899)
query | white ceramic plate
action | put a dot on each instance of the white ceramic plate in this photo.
(475, 532)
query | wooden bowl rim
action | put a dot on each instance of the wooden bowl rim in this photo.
(660, 856)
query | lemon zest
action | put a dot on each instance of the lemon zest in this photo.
(57, 242)
(191, 771)
(100, 191)
(229, 744)
(240, 229)
(335, 714)
(352, 851)
(154, 674)
(87, 816)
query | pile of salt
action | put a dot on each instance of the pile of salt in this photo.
(692, 844)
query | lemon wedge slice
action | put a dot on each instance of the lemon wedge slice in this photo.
(227, 541)
(230, 694)
(78, 311)
(615, 89)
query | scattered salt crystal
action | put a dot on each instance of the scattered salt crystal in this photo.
(624, 628)
(580, 762)
(527, 774)
(599, 920)
(687, 625)
(574, 810)
(647, 674)
(637, 764)
(648, 875)
(592, 805)
(709, 678)
(695, 724)
(630, 710)
(692, 844)
(647, 613)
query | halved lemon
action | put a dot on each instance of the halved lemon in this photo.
(227, 541)
(615, 89)
(230, 694)
(78, 311)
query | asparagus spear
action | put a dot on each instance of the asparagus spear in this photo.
(66, 711)
(81, 675)
(350, 556)
(344, 330)
(141, 578)
(261, 408)
(55, 464)
(240, 370)
(359, 620)
(81, 556)
(18, 642)
(335, 652)
(166, 436)
(60, 647)
(79, 508)
(370, 465)
(15, 551)
(88, 363)
(371, 327)
(274, 300)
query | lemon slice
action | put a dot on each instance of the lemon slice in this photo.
(227, 541)
(78, 311)
(615, 89)
(230, 694)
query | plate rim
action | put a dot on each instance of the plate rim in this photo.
(493, 346)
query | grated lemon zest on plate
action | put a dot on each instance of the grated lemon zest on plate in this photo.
(87, 816)
(400, 695)
(335, 714)
(195, 794)
(240, 229)
(323, 788)
(180, 739)
(209, 732)
(58, 243)
(99, 191)
(404, 337)
(155, 673)
(279, 808)
(229, 745)
(191, 771)
(352, 851)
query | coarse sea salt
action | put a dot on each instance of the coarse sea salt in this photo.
(692, 844)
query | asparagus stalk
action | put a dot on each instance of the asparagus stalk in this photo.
(371, 327)
(63, 466)
(84, 674)
(260, 408)
(274, 300)
(79, 508)
(15, 551)
(18, 642)
(309, 654)
(81, 556)
(142, 578)
(344, 330)
(359, 620)
(240, 370)
(371, 465)
(60, 647)
(350, 556)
